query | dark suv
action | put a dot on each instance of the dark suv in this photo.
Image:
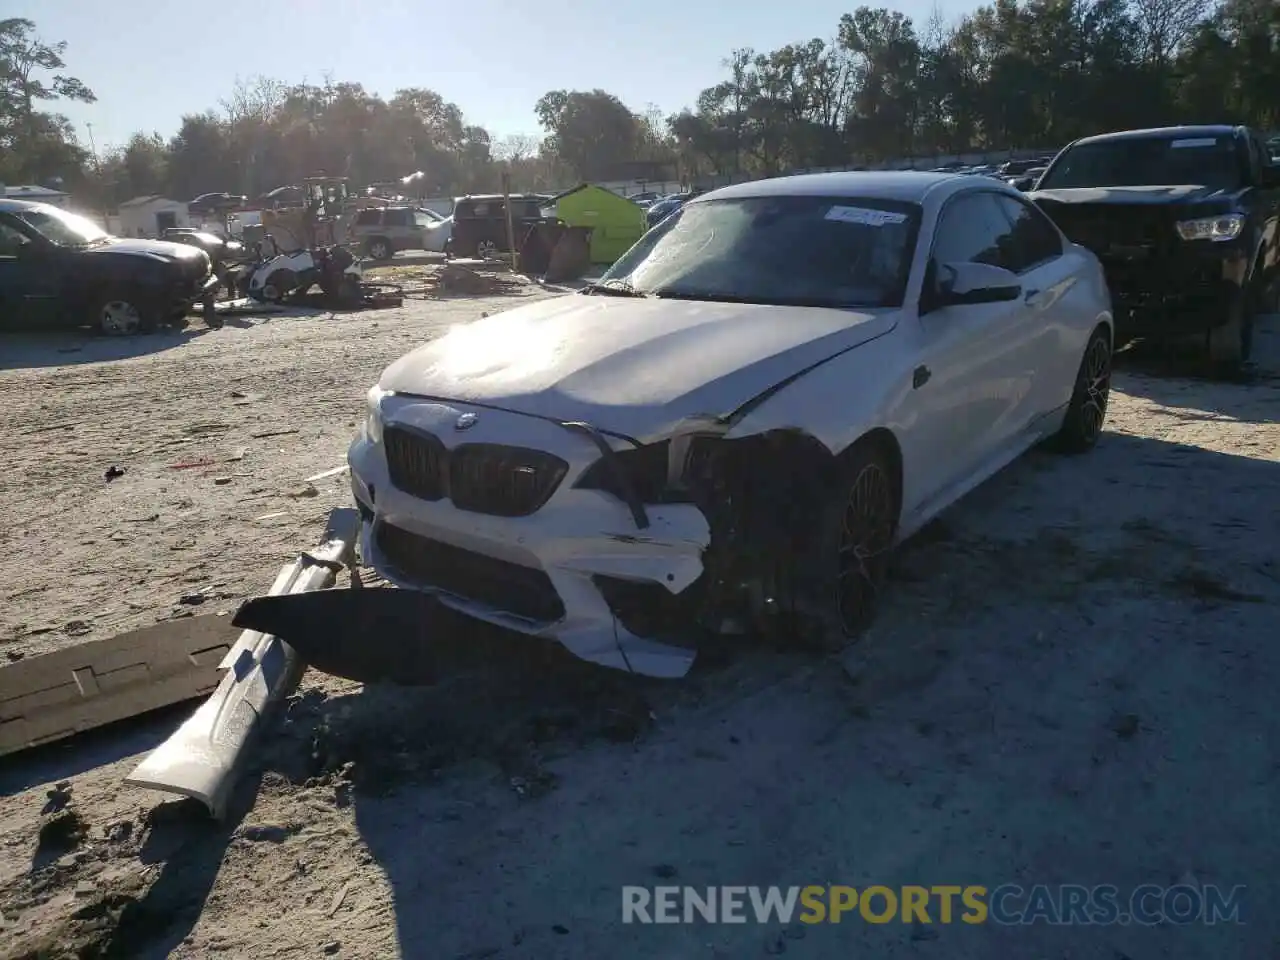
(1186, 222)
(60, 268)
(480, 223)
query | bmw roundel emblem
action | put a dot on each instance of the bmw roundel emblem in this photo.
(466, 421)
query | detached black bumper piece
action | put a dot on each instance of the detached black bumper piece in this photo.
(388, 635)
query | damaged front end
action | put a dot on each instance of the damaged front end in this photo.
(763, 496)
(636, 551)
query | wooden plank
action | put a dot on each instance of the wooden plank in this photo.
(92, 684)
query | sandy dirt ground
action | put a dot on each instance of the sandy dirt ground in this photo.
(1069, 683)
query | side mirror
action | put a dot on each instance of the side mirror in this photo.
(961, 284)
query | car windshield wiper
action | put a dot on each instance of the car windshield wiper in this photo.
(613, 288)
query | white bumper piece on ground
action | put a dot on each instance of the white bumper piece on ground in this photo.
(576, 534)
(200, 760)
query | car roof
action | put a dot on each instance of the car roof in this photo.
(910, 186)
(490, 197)
(17, 206)
(1161, 133)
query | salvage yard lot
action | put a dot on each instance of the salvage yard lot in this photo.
(1071, 680)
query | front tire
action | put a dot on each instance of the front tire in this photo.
(380, 249)
(279, 285)
(122, 313)
(1231, 344)
(1087, 411)
(829, 588)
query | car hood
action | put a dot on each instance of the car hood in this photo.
(160, 250)
(634, 367)
(1133, 196)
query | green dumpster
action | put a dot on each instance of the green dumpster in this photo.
(616, 223)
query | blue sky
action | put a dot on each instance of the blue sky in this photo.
(151, 61)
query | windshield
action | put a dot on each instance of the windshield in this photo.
(1158, 161)
(792, 250)
(63, 228)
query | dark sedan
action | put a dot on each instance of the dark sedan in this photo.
(659, 210)
(60, 268)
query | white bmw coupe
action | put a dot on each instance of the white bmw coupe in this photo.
(732, 428)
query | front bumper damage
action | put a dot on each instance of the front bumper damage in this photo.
(1177, 294)
(575, 570)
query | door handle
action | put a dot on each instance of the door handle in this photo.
(1030, 295)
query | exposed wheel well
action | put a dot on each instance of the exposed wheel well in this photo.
(883, 440)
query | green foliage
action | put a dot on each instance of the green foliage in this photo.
(1033, 74)
(1016, 73)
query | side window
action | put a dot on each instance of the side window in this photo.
(11, 240)
(422, 221)
(478, 211)
(399, 218)
(367, 218)
(1034, 240)
(974, 229)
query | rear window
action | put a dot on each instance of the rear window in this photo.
(1209, 161)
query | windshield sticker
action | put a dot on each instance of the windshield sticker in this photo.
(869, 218)
(1194, 142)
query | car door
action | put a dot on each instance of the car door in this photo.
(397, 223)
(971, 369)
(29, 294)
(1053, 340)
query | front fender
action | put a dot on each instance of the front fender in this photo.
(835, 402)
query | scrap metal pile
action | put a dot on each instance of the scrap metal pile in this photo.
(51, 697)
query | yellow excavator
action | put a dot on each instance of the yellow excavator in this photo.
(320, 221)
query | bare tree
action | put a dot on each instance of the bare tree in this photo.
(1168, 24)
(255, 98)
(516, 147)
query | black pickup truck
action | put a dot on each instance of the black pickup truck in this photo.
(1185, 223)
(58, 268)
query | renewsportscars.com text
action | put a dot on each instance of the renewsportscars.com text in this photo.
(1008, 904)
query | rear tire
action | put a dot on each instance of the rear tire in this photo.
(1087, 411)
(486, 250)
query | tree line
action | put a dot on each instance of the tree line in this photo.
(1011, 74)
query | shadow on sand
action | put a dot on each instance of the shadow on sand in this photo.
(1179, 375)
(464, 886)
